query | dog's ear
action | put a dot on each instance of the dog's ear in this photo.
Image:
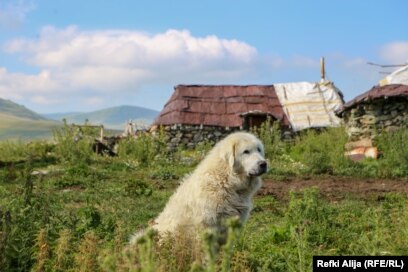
(228, 154)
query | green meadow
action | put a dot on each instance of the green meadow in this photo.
(64, 208)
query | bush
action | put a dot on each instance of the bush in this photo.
(74, 144)
(271, 137)
(23, 218)
(144, 148)
(138, 188)
(323, 152)
(394, 148)
(12, 150)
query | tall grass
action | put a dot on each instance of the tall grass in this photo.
(15, 151)
(63, 251)
(271, 136)
(145, 148)
(74, 144)
(12, 150)
(286, 237)
(394, 148)
(322, 152)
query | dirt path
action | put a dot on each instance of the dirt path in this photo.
(335, 188)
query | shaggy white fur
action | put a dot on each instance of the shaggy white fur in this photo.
(221, 186)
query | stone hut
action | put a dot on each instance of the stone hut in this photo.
(197, 113)
(381, 108)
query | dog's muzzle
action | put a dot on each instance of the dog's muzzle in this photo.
(261, 169)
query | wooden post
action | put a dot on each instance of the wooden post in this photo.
(322, 70)
(101, 139)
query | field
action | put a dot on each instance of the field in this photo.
(63, 208)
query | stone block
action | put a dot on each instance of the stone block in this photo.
(359, 143)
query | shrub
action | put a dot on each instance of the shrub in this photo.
(138, 188)
(27, 213)
(74, 144)
(322, 152)
(144, 148)
(12, 150)
(270, 135)
(394, 148)
(40, 150)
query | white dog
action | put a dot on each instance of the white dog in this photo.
(222, 186)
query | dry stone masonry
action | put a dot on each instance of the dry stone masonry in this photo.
(365, 120)
(383, 108)
(191, 135)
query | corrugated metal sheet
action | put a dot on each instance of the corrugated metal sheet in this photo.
(219, 105)
(392, 90)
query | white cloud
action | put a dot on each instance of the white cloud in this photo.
(395, 53)
(13, 13)
(71, 47)
(72, 61)
(91, 69)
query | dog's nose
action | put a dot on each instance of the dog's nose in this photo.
(262, 164)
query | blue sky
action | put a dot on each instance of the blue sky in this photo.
(58, 56)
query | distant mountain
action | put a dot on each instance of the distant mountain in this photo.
(10, 108)
(59, 116)
(16, 121)
(114, 118)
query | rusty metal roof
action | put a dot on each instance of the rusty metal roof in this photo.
(392, 90)
(219, 105)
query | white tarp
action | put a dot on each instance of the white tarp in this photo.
(399, 76)
(309, 105)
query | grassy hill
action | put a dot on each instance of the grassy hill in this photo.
(18, 122)
(114, 118)
(10, 108)
(14, 127)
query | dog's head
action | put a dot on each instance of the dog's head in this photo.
(244, 154)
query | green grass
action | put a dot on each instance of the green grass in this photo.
(80, 214)
(285, 236)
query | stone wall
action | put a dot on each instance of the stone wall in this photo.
(190, 136)
(365, 120)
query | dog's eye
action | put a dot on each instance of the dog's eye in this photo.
(246, 151)
(259, 150)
